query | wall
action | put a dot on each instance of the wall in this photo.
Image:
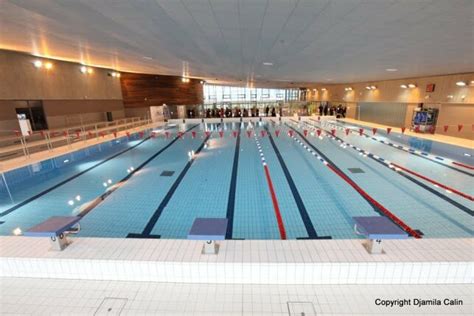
(140, 90)
(392, 114)
(65, 91)
(458, 108)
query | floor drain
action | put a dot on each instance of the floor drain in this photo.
(356, 170)
(111, 306)
(167, 173)
(301, 309)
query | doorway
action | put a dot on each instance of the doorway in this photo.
(33, 111)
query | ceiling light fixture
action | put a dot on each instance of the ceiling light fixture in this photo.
(48, 65)
(266, 63)
(348, 88)
(391, 69)
(38, 63)
(403, 86)
(461, 83)
(373, 87)
(83, 69)
(411, 85)
(324, 89)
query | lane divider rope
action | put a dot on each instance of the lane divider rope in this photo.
(379, 206)
(276, 207)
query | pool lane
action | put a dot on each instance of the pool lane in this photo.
(435, 182)
(23, 185)
(233, 183)
(88, 186)
(387, 143)
(204, 192)
(131, 206)
(329, 201)
(254, 215)
(417, 207)
(421, 164)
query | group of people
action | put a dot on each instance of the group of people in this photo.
(237, 112)
(339, 111)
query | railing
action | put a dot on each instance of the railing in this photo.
(13, 144)
(247, 108)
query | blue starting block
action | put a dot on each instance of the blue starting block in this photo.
(376, 229)
(56, 228)
(209, 230)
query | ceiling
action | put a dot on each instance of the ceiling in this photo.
(332, 41)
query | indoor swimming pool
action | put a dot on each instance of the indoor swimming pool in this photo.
(271, 180)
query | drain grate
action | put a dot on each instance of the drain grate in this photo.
(301, 309)
(356, 170)
(167, 173)
(111, 306)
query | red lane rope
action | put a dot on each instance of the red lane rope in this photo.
(463, 165)
(464, 195)
(281, 226)
(382, 208)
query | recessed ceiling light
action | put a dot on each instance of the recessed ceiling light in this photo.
(266, 63)
(373, 87)
(323, 89)
(403, 86)
(147, 58)
(461, 83)
(48, 65)
(411, 85)
(83, 69)
(391, 69)
(38, 63)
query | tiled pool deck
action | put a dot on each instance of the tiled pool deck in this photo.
(23, 296)
(413, 261)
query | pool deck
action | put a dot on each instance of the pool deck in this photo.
(451, 140)
(19, 162)
(28, 296)
(22, 161)
(411, 261)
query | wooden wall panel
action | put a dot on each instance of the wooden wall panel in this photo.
(141, 90)
(20, 80)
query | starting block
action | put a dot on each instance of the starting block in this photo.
(209, 230)
(376, 229)
(56, 228)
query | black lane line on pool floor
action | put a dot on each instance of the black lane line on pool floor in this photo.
(233, 188)
(409, 152)
(102, 197)
(311, 231)
(146, 233)
(34, 197)
(463, 208)
(368, 198)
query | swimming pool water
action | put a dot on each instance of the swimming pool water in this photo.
(162, 190)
